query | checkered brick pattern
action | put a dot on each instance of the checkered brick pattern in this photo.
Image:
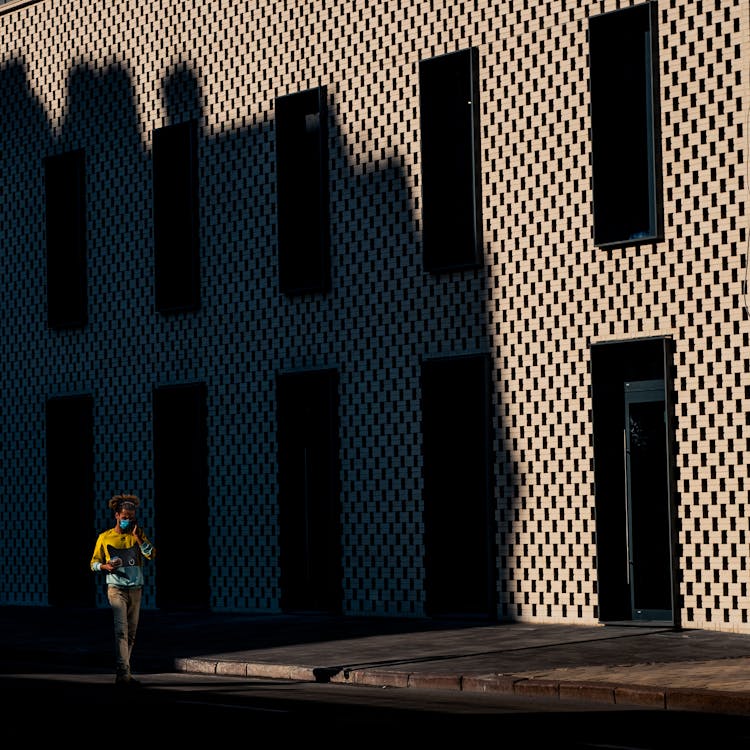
(103, 75)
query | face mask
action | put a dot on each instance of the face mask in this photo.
(125, 524)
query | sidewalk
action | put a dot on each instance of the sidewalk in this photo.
(695, 670)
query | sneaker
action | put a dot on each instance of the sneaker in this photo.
(126, 680)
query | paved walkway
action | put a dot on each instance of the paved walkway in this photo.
(641, 666)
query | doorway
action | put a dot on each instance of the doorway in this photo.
(70, 501)
(181, 497)
(634, 481)
(309, 492)
(459, 531)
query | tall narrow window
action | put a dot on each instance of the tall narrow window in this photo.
(176, 248)
(625, 126)
(451, 210)
(65, 188)
(302, 191)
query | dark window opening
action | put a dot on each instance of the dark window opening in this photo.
(625, 126)
(176, 246)
(302, 191)
(65, 188)
(451, 186)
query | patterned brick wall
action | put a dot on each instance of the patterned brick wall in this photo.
(102, 75)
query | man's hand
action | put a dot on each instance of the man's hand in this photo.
(138, 534)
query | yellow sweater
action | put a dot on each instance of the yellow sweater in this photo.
(113, 543)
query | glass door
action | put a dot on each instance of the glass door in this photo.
(648, 517)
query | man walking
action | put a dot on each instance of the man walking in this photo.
(119, 552)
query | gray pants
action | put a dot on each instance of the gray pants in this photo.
(126, 609)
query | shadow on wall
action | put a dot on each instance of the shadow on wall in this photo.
(387, 315)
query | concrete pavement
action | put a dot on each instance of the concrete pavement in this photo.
(657, 667)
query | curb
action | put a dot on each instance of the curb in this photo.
(645, 696)
(711, 701)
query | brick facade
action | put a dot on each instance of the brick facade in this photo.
(103, 75)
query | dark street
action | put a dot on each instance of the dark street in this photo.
(179, 707)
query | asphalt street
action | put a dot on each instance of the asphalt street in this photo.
(618, 665)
